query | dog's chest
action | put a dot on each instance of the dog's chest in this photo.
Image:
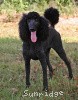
(32, 52)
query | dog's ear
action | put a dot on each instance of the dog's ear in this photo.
(43, 31)
(24, 16)
(23, 28)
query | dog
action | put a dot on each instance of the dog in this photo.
(39, 36)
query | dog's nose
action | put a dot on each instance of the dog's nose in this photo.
(32, 30)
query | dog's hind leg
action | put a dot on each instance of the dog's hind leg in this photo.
(49, 65)
(57, 46)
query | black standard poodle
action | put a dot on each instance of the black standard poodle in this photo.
(39, 36)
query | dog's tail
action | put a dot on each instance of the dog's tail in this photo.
(52, 14)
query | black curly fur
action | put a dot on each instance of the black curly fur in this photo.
(42, 32)
(23, 28)
(48, 38)
(52, 15)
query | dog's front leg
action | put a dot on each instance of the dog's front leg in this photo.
(42, 59)
(27, 69)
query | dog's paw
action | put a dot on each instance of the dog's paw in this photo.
(70, 76)
(45, 89)
(27, 86)
(50, 75)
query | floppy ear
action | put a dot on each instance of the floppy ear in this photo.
(43, 31)
(23, 28)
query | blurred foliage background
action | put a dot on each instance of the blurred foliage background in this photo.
(38, 5)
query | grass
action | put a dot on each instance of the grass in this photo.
(12, 74)
(12, 71)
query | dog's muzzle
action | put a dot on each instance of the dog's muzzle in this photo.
(32, 28)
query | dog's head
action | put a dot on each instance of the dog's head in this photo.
(34, 27)
(33, 21)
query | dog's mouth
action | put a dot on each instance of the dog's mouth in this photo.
(33, 36)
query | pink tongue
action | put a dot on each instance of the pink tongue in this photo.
(33, 36)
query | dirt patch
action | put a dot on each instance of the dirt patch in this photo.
(67, 27)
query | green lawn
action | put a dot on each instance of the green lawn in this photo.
(12, 74)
